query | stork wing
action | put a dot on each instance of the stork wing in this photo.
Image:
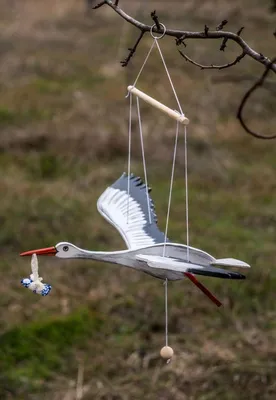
(133, 213)
(174, 264)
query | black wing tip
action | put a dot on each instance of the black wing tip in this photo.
(226, 275)
(237, 277)
(138, 182)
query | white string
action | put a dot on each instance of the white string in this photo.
(171, 186)
(166, 311)
(166, 230)
(141, 137)
(155, 42)
(129, 153)
(143, 156)
(169, 77)
(186, 194)
(146, 59)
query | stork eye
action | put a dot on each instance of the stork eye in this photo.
(65, 248)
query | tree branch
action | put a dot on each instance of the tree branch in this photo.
(206, 34)
(245, 98)
(132, 50)
(212, 66)
(180, 35)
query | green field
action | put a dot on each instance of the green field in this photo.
(64, 128)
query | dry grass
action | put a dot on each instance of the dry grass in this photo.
(63, 119)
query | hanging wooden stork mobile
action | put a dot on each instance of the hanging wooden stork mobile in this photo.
(127, 205)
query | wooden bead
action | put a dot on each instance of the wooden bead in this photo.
(166, 352)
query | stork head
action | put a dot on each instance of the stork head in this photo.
(66, 250)
(61, 250)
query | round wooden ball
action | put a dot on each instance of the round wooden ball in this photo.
(166, 352)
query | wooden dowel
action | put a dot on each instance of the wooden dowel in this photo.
(150, 100)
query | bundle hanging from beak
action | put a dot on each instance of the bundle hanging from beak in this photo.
(34, 283)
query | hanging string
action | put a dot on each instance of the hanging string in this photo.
(166, 230)
(186, 193)
(144, 63)
(141, 137)
(143, 156)
(169, 77)
(129, 153)
(171, 186)
(155, 42)
(166, 312)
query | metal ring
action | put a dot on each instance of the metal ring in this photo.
(158, 37)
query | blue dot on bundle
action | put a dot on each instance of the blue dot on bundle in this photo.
(26, 282)
(46, 290)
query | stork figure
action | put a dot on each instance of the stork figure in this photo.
(128, 207)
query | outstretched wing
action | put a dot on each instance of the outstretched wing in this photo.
(177, 265)
(128, 207)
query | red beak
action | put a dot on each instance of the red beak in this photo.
(48, 251)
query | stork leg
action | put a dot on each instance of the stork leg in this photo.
(202, 288)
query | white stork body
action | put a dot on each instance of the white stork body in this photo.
(150, 260)
(128, 207)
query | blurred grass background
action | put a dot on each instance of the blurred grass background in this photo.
(63, 120)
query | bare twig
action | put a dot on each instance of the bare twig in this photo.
(221, 25)
(240, 31)
(155, 20)
(212, 66)
(223, 44)
(132, 50)
(245, 98)
(99, 5)
(180, 41)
